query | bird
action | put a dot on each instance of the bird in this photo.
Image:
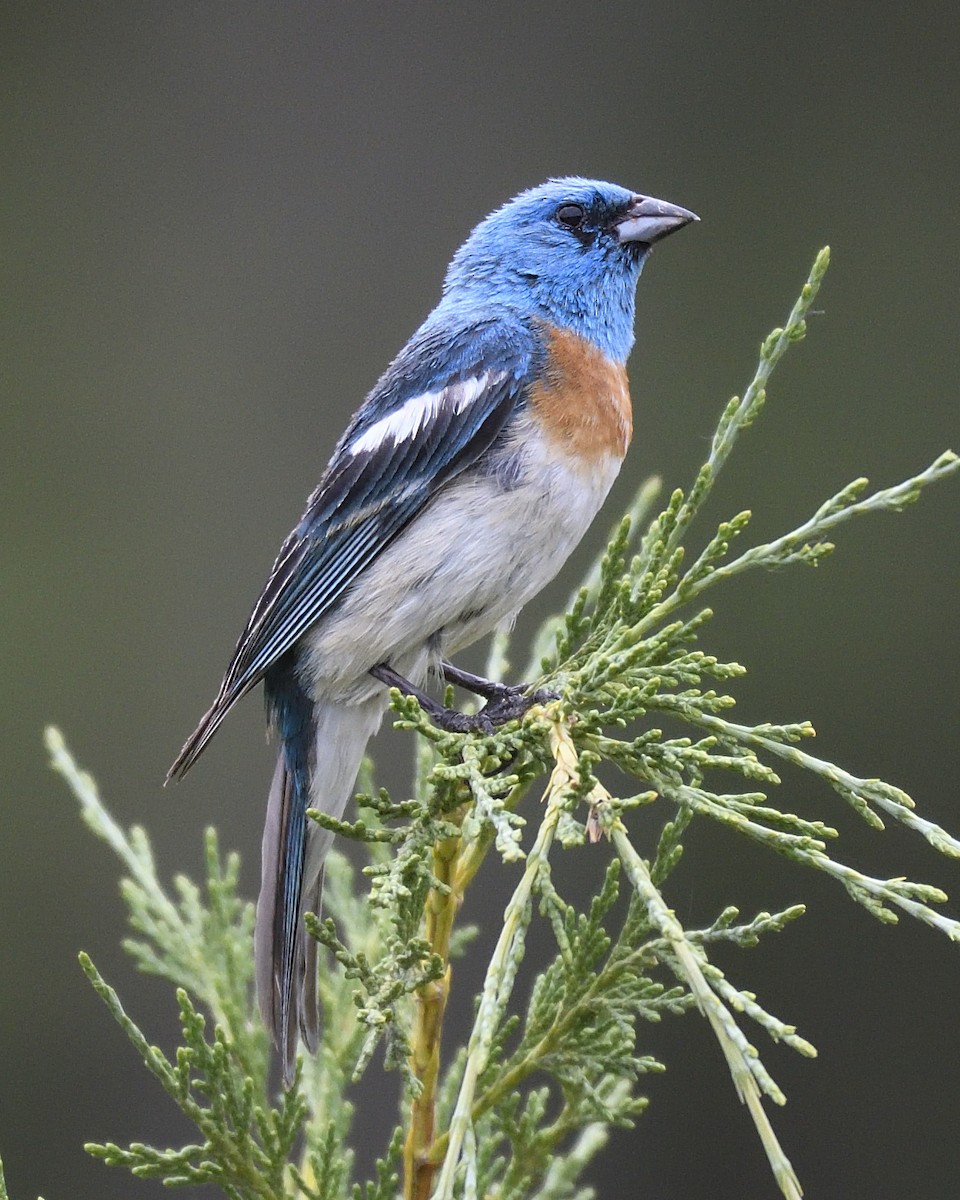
(459, 488)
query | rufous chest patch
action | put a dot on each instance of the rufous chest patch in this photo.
(582, 400)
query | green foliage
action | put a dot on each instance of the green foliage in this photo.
(523, 1108)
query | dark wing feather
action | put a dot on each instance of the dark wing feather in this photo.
(362, 503)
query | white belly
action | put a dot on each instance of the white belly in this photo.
(476, 554)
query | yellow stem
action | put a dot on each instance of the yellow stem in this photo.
(431, 1001)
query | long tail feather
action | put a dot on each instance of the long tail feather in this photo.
(317, 767)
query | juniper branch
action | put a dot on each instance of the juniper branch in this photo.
(626, 653)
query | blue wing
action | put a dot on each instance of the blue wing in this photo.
(440, 405)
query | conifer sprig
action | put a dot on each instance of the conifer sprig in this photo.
(522, 1109)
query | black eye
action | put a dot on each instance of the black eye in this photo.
(571, 215)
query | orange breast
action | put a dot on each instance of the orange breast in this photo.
(582, 403)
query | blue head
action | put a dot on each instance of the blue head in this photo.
(569, 251)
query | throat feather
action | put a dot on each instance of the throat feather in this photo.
(582, 400)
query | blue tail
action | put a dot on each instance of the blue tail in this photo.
(283, 948)
(322, 744)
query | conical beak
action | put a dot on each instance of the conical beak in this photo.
(648, 220)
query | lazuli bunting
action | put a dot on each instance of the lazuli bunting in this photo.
(459, 488)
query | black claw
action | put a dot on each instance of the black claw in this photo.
(506, 697)
(511, 703)
(505, 702)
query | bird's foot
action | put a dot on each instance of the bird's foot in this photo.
(505, 702)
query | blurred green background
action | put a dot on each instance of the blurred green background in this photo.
(221, 220)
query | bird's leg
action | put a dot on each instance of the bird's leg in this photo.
(445, 718)
(504, 702)
(501, 697)
(477, 684)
